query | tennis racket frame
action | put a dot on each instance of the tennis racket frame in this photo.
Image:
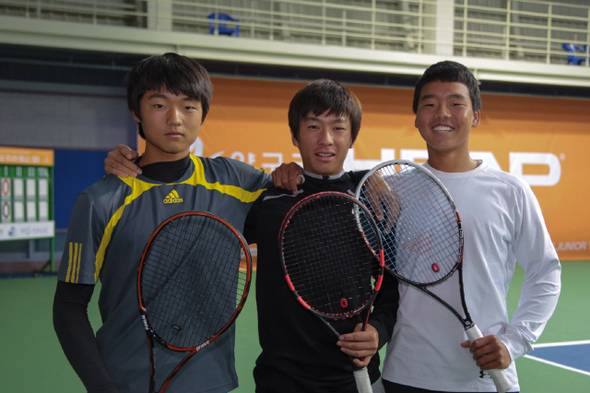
(503, 384)
(361, 375)
(152, 335)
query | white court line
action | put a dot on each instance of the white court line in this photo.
(557, 365)
(561, 344)
(547, 345)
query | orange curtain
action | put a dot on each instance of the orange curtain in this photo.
(543, 139)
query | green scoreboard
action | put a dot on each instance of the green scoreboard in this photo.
(26, 195)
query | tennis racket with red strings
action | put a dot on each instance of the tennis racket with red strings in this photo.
(422, 234)
(332, 258)
(193, 280)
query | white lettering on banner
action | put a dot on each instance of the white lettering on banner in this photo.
(238, 155)
(272, 166)
(487, 157)
(196, 148)
(20, 159)
(297, 156)
(352, 164)
(571, 246)
(517, 161)
(414, 155)
(26, 230)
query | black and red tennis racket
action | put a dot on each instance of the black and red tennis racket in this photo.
(422, 234)
(332, 257)
(193, 280)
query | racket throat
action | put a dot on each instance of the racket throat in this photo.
(467, 325)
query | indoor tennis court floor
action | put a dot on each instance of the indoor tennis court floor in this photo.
(31, 359)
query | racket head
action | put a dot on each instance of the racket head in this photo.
(332, 255)
(193, 280)
(421, 229)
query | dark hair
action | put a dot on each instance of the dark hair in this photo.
(320, 96)
(173, 72)
(449, 71)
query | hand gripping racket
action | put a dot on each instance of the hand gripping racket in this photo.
(333, 268)
(422, 234)
(193, 281)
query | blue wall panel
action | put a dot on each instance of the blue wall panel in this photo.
(74, 171)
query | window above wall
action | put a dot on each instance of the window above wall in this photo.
(518, 40)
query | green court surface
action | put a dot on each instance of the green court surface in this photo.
(32, 361)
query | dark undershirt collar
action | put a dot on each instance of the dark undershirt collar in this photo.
(333, 177)
(167, 171)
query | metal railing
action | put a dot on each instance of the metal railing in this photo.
(522, 30)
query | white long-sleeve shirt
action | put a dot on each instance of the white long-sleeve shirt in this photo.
(502, 223)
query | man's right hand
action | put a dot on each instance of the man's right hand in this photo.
(288, 177)
(120, 162)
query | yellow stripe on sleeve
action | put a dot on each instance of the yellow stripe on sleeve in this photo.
(69, 272)
(138, 187)
(79, 259)
(74, 262)
(239, 193)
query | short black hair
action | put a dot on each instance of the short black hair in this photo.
(325, 95)
(449, 71)
(176, 73)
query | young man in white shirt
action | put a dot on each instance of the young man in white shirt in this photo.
(502, 223)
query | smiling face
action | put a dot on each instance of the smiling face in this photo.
(323, 142)
(170, 122)
(445, 117)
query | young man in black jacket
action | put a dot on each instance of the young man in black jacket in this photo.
(299, 353)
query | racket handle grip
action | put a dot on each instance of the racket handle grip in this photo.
(363, 382)
(503, 384)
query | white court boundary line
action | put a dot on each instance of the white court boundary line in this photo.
(561, 344)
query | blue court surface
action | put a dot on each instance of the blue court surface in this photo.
(573, 356)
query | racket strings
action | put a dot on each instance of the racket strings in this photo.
(327, 257)
(422, 244)
(188, 300)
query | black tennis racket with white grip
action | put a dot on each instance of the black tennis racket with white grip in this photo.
(333, 265)
(193, 280)
(422, 234)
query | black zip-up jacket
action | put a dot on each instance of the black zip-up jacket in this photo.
(299, 353)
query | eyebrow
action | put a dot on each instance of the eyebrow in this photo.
(460, 96)
(161, 95)
(341, 119)
(157, 95)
